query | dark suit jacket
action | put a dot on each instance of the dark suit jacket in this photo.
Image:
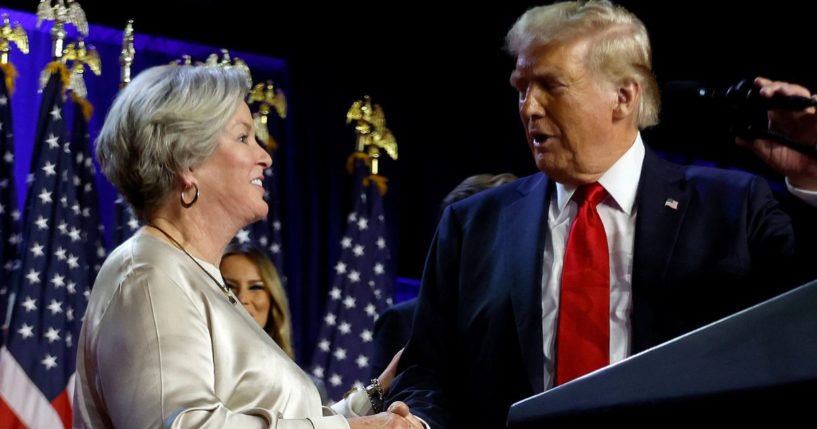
(477, 347)
(391, 333)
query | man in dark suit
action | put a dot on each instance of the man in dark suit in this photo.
(391, 333)
(682, 246)
(393, 326)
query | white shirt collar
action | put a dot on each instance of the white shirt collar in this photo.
(620, 180)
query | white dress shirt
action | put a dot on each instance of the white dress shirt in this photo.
(618, 213)
(808, 197)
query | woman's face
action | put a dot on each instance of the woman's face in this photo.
(231, 180)
(242, 276)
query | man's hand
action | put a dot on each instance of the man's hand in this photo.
(397, 417)
(799, 126)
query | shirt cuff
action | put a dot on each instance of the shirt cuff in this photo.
(808, 197)
(355, 404)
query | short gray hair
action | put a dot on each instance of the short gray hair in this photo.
(167, 120)
(620, 47)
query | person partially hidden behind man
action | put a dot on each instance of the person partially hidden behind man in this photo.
(605, 253)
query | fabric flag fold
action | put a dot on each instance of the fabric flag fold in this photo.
(37, 364)
(85, 181)
(10, 235)
(360, 291)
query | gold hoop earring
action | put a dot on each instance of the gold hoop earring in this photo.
(186, 204)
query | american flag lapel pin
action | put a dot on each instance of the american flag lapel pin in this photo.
(671, 203)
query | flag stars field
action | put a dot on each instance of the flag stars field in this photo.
(26, 331)
(353, 302)
(49, 362)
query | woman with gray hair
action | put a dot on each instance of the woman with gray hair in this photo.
(164, 342)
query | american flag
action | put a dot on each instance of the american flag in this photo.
(9, 214)
(85, 182)
(38, 361)
(361, 289)
(671, 203)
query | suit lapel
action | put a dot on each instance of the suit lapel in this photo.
(525, 220)
(662, 203)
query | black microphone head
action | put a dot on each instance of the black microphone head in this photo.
(735, 106)
(743, 96)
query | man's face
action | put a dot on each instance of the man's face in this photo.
(568, 112)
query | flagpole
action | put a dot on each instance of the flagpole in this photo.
(362, 286)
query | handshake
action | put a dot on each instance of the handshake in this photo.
(398, 416)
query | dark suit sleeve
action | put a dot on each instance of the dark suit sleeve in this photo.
(780, 241)
(804, 223)
(427, 365)
(391, 333)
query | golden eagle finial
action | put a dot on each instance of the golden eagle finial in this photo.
(225, 61)
(267, 94)
(269, 97)
(127, 55)
(9, 34)
(61, 15)
(370, 127)
(81, 56)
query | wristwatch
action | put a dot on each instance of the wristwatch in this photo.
(375, 393)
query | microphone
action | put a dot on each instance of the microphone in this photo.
(742, 96)
(745, 107)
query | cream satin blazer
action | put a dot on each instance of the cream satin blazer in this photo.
(161, 346)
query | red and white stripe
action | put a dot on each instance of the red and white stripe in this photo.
(22, 404)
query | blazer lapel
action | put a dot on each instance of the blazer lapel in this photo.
(662, 204)
(525, 221)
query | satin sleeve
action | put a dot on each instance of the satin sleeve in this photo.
(156, 365)
(355, 404)
(805, 195)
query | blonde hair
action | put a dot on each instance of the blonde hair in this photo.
(619, 50)
(279, 322)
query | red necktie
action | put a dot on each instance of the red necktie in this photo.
(583, 337)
